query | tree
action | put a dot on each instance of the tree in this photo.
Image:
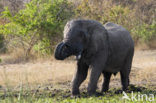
(37, 24)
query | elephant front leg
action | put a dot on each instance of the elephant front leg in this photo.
(95, 74)
(79, 77)
(105, 85)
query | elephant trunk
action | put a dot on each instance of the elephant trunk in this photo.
(64, 50)
(58, 51)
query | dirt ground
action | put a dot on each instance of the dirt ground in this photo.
(58, 74)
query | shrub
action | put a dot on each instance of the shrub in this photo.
(37, 24)
(136, 16)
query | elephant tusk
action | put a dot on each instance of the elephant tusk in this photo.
(78, 57)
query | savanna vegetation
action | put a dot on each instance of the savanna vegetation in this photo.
(30, 29)
(35, 27)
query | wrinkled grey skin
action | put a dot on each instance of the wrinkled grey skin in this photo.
(106, 49)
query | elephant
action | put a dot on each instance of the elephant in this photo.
(105, 49)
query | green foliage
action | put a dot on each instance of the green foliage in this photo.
(142, 27)
(43, 47)
(38, 22)
(89, 10)
(145, 32)
(39, 25)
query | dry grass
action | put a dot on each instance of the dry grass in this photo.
(146, 76)
(43, 72)
(36, 73)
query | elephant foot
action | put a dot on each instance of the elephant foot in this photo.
(121, 91)
(91, 92)
(125, 88)
(104, 90)
(118, 91)
(75, 92)
(75, 96)
(96, 94)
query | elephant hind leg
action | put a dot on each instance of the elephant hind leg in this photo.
(125, 72)
(105, 85)
(124, 80)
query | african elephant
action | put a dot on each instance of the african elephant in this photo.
(105, 49)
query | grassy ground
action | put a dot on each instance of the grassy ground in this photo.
(48, 81)
(63, 96)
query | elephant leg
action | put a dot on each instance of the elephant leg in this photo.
(105, 85)
(94, 76)
(124, 80)
(125, 72)
(79, 77)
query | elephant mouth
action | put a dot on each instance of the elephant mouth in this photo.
(64, 50)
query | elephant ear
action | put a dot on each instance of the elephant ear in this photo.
(84, 35)
(98, 38)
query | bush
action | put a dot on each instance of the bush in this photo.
(145, 32)
(135, 16)
(37, 24)
(38, 27)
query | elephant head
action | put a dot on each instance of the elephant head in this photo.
(73, 43)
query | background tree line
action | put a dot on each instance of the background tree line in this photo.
(35, 26)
